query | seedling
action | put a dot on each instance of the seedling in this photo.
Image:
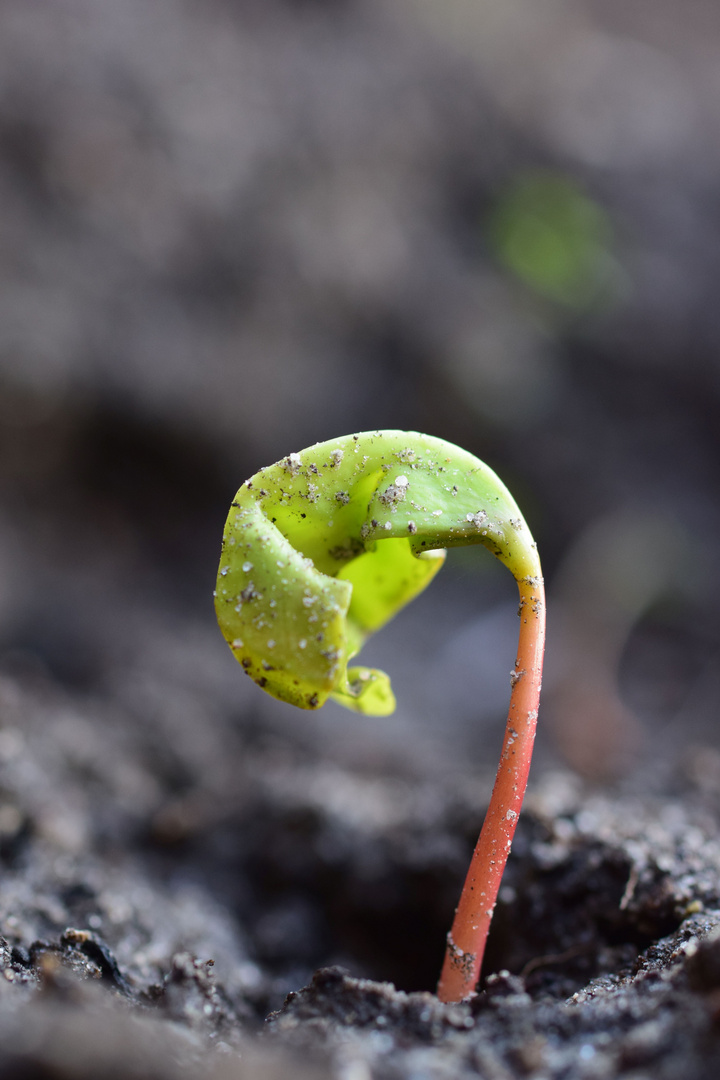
(323, 548)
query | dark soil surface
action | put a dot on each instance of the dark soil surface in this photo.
(152, 927)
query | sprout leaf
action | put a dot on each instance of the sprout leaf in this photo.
(324, 547)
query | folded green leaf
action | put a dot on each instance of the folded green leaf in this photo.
(324, 547)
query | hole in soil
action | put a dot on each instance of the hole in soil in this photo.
(310, 891)
(562, 919)
(317, 898)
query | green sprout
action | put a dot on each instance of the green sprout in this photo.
(323, 548)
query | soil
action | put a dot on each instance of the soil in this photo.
(151, 928)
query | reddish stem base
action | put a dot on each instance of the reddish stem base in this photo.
(466, 941)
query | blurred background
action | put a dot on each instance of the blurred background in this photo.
(232, 228)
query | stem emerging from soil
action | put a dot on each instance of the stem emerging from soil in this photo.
(466, 941)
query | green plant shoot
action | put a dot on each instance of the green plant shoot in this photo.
(323, 548)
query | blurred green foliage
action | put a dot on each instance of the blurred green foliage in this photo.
(555, 239)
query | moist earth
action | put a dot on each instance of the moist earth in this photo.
(150, 928)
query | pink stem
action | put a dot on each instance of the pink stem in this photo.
(466, 941)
